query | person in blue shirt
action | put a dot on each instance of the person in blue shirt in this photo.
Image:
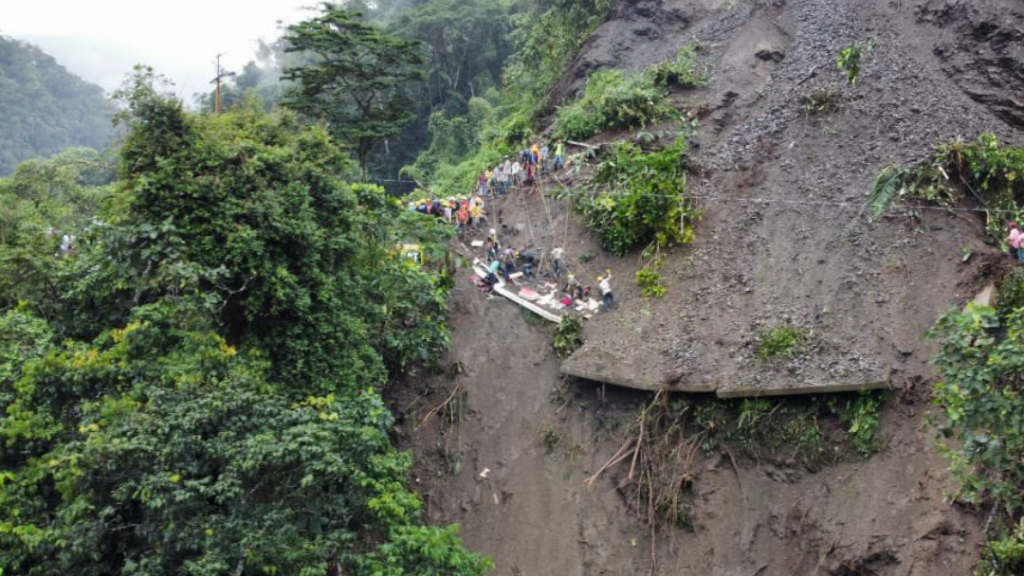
(492, 273)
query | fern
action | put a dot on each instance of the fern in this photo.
(891, 182)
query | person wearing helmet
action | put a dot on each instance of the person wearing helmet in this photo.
(493, 246)
(604, 283)
(573, 288)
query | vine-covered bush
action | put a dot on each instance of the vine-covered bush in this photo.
(568, 336)
(611, 99)
(984, 171)
(982, 408)
(638, 198)
(682, 71)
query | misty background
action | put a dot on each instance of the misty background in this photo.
(101, 40)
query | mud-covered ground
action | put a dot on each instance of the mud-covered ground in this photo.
(783, 240)
(509, 466)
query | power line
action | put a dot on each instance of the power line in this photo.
(221, 74)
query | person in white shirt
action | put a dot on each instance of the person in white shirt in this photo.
(603, 282)
(556, 261)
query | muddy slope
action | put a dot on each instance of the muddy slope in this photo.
(783, 240)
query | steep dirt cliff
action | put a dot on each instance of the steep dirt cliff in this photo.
(783, 240)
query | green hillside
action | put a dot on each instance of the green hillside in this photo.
(44, 108)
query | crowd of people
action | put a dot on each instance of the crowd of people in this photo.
(468, 213)
(531, 162)
(509, 263)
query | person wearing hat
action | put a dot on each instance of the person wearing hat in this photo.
(603, 282)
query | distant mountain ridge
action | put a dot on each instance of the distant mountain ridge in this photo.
(44, 108)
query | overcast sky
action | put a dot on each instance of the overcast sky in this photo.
(100, 40)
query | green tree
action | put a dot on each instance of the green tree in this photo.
(211, 409)
(358, 81)
(42, 201)
(467, 42)
(160, 450)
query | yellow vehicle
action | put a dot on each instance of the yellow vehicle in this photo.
(411, 253)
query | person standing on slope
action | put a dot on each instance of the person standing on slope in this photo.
(608, 300)
(556, 261)
(1014, 240)
(492, 274)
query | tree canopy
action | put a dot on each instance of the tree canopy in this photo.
(358, 81)
(198, 390)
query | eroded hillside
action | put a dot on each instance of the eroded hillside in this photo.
(783, 241)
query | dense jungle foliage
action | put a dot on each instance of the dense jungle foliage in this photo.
(195, 327)
(45, 109)
(194, 388)
(981, 427)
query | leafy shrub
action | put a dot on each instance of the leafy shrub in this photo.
(861, 415)
(766, 426)
(849, 59)
(682, 70)
(1011, 293)
(820, 101)
(650, 284)
(1004, 556)
(613, 100)
(780, 341)
(982, 408)
(637, 198)
(568, 336)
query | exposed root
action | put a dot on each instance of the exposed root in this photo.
(439, 407)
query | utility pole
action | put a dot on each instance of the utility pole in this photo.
(221, 74)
